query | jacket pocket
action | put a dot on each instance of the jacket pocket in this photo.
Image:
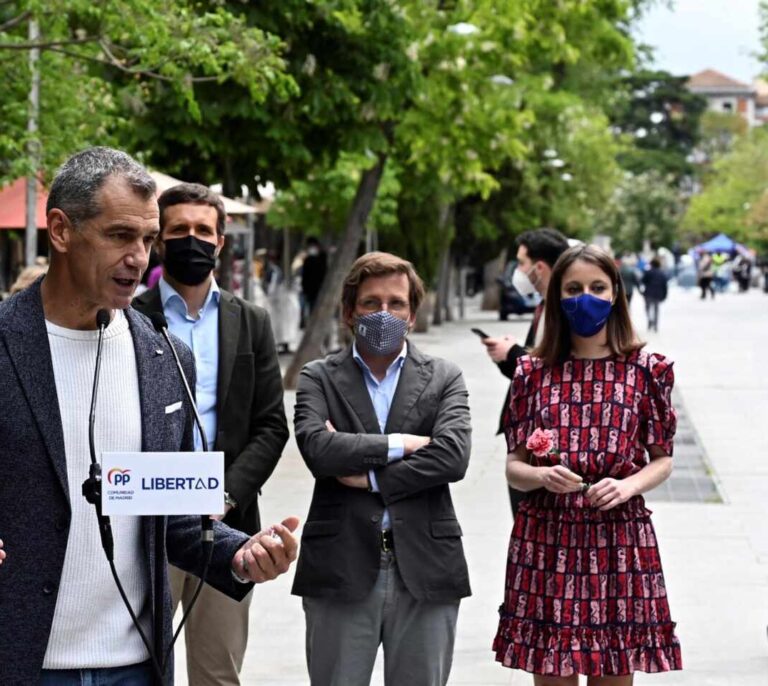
(446, 528)
(321, 527)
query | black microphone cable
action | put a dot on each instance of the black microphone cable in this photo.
(161, 326)
(92, 493)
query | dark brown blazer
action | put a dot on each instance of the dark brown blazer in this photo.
(252, 429)
(340, 551)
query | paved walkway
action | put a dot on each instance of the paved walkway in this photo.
(715, 555)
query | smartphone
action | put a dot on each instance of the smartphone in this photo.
(480, 333)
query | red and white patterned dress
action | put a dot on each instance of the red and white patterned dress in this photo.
(584, 591)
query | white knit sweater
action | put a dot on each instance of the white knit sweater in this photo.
(91, 626)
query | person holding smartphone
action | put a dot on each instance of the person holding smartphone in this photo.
(537, 252)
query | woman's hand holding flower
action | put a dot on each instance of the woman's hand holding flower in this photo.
(559, 479)
(608, 493)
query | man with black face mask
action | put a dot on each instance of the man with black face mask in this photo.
(239, 394)
(384, 429)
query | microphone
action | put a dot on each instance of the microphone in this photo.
(161, 326)
(92, 493)
(92, 485)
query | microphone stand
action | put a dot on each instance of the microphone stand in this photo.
(92, 494)
(161, 326)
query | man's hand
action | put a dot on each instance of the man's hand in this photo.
(608, 493)
(2, 553)
(497, 348)
(354, 481)
(269, 553)
(412, 443)
(559, 479)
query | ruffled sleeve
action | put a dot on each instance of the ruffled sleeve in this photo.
(660, 420)
(518, 420)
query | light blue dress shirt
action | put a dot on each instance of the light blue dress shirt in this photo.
(201, 334)
(382, 392)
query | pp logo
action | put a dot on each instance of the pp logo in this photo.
(119, 477)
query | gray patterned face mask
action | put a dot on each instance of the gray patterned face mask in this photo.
(380, 333)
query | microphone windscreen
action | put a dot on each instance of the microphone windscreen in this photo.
(102, 319)
(158, 321)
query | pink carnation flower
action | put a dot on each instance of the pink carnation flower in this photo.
(541, 442)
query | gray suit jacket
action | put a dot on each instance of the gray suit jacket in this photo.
(34, 494)
(252, 430)
(340, 553)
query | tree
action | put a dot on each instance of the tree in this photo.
(440, 89)
(644, 207)
(110, 52)
(733, 198)
(661, 117)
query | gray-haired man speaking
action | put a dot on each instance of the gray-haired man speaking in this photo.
(62, 615)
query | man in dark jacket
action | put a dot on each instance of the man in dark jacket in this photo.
(240, 397)
(537, 252)
(654, 284)
(62, 616)
(384, 429)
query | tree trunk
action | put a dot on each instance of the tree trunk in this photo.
(425, 312)
(224, 278)
(226, 255)
(491, 270)
(328, 299)
(444, 274)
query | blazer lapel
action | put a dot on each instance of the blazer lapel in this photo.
(229, 334)
(414, 378)
(348, 378)
(27, 341)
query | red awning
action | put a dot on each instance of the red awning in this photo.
(13, 205)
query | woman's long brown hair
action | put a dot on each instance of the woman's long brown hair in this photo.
(555, 347)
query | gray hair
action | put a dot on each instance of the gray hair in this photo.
(82, 176)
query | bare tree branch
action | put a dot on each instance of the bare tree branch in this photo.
(15, 21)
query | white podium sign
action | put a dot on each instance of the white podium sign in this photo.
(162, 483)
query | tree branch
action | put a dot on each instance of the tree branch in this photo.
(128, 70)
(15, 21)
(47, 46)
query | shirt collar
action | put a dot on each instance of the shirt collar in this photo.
(169, 294)
(397, 362)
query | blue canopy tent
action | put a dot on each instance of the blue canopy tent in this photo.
(720, 243)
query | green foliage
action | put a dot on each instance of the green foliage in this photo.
(719, 130)
(318, 205)
(643, 207)
(661, 116)
(96, 57)
(733, 199)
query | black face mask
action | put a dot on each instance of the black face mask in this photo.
(189, 260)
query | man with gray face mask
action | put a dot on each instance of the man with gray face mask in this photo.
(537, 252)
(384, 429)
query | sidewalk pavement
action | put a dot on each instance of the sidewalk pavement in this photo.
(715, 555)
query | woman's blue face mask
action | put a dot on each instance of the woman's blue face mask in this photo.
(587, 314)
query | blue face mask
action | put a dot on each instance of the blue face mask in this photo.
(380, 333)
(586, 313)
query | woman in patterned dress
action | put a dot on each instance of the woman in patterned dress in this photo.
(584, 589)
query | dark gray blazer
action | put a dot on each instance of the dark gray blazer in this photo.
(34, 495)
(252, 430)
(340, 553)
